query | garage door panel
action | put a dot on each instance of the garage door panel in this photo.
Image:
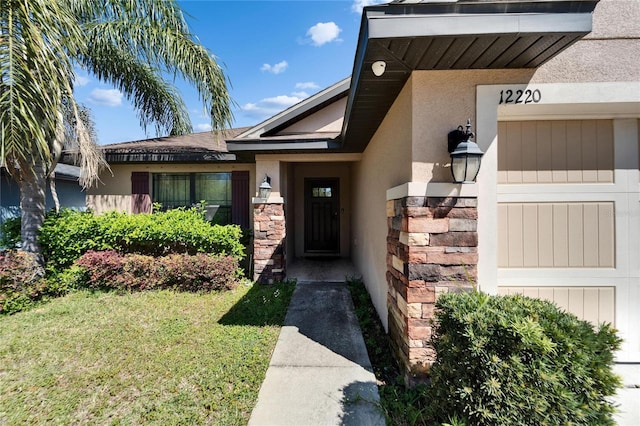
(593, 304)
(573, 151)
(556, 235)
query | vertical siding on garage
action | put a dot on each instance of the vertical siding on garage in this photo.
(575, 151)
(593, 304)
(556, 235)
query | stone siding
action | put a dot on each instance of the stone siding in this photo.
(431, 249)
(269, 243)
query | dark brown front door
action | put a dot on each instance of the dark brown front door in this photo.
(321, 215)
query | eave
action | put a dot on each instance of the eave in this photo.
(467, 34)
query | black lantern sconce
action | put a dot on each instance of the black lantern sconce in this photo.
(465, 155)
(264, 190)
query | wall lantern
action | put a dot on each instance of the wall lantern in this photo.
(465, 155)
(264, 190)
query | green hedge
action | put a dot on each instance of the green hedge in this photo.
(512, 360)
(65, 236)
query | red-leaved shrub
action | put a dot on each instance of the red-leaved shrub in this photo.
(183, 272)
(20, 285)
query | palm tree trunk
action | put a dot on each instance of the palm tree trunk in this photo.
(54, 192)
(33, 184)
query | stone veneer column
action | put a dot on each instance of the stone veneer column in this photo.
(431, 249)
(268, 242)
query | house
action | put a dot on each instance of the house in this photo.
(362, 168)
(70, 193)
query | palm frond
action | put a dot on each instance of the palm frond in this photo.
(155, 100)
(176, 52)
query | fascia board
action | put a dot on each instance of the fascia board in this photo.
(459, 25)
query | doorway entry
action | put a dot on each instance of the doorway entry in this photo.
(322, 215)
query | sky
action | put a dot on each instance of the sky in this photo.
(274, 53)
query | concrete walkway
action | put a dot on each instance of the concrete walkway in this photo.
(320, 372)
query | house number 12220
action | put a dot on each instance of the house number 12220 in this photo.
(520, 96)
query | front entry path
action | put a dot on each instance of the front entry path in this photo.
(320, 373)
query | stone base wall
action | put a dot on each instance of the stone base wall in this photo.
(431, 249)
(268, 243)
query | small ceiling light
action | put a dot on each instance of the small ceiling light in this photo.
(378, 68)
(264, 190)
(465, 155)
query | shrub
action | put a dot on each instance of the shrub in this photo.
(183, 272)
(10, 233)
(20, 286)
(519, 361)
(65, 236)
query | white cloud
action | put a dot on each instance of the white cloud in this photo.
(307, 85)
(203, 127)
(276, 68)
(108, 97)
(300, 94)
(81, 80)
(270, 106)
(357, 5)
(324, 32)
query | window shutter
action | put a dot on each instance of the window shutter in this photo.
(140, 197)
(240, 198)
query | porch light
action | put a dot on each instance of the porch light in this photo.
(465, 155)
(264, 190)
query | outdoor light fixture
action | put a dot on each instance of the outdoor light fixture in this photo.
(378, 68)
(465, 155)
(264, 190)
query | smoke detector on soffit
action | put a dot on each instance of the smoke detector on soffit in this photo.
(378, 68)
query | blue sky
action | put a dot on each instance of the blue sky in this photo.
(275, 53)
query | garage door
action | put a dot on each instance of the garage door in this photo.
(559, 208)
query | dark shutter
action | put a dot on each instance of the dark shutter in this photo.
(240, 198)
(140, 197)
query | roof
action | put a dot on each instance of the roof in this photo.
(447, 35)
(265, 137)
(407, 35)
(61, 172)
(66, 172)
(299, 111)
(192, 147)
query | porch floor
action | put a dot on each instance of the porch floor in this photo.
(307, 270)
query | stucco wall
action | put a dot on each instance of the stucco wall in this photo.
(114, 191)
(443, 100)
(609, 53)
(329, 119)
(385, 163)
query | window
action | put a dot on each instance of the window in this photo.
(173, 190)
(321, 192)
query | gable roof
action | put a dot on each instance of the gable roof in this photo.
(297, 112)
(265, 136)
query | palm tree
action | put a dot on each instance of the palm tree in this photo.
(128, 43)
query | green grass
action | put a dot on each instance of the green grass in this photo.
(149, 357)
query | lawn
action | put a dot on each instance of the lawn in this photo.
(156, 357)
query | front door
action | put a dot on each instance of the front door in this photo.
(322, 215)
